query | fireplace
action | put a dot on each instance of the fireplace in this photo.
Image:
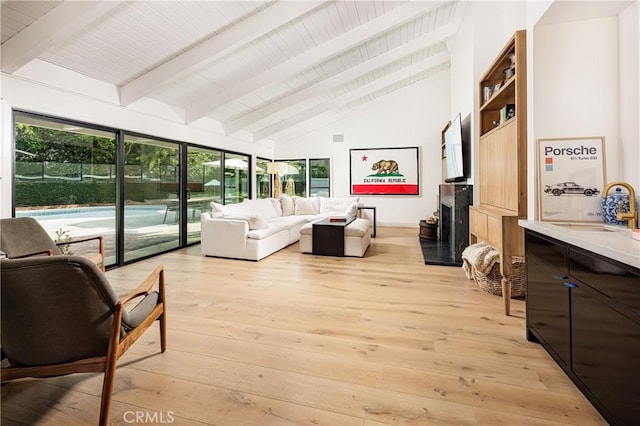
(445, 222)
(453, 226)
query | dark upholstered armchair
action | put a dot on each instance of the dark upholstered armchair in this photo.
(24, 237)
(60, 315)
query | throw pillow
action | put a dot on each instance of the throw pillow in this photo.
(238, 208)
(305, 206)
(262, 207)
(352, 210)
(288, 207)
(277, 206)
(217, 207)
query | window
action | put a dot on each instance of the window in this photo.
(295, 180)
(319, 177)
(236, 178)
(263, 179)
(204, 185)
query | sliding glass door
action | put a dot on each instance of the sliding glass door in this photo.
(236, 178)
(204, 185)
(151, 196)
(142, 193)
(65, 178)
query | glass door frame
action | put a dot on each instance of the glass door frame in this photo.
(120, 195)
(16, 113)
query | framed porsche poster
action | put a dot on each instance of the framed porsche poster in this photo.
(571, 178)
(384, 171)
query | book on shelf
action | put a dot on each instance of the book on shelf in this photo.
(506, 112)
(487, 91)
(337, 218)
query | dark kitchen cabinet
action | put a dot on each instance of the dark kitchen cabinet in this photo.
(547, 296)
(585, 310)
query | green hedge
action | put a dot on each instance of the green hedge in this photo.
(30, 194)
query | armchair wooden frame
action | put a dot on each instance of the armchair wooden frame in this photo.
(49, 252)
(16, 229)
(117, 345)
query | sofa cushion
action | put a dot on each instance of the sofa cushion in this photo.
(306, 206)
(357, 228)
(254, 221)
(314, 218)
(306, 229)
(288, 207)
(287, 222)
(259, 234)
(336, 206)
(237, 208)
(262, 207)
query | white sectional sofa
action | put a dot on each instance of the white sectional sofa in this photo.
(255, 229)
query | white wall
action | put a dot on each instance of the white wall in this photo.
(413, 116)
(629, 110)
(463, 78)
(576, 82)
(535, 11)
(586, 84)
(6, 160)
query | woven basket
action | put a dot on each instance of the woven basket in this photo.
(492, 282)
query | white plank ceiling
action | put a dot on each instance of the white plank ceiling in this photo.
(275, 69)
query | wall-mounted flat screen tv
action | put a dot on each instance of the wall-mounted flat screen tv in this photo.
(456, 144)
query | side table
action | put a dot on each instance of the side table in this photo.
(374, 217)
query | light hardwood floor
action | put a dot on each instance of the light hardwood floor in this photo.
(303, 340)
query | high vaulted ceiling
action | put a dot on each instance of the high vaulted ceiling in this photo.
(274, 69)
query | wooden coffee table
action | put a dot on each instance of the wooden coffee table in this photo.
(328, 237)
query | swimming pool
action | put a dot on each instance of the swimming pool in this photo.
(91, 212)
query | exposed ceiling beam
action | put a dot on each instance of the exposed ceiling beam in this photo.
(342, 100)
(397, 16)
(438, 35)
(59, 24)
(241, 34)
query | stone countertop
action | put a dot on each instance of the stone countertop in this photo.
(610, 241)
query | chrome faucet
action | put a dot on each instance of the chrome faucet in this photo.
(632, 215)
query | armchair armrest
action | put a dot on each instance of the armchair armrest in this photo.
(36, 253)
(100, 239)
(145, 287)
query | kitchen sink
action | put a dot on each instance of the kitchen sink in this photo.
(596, 227)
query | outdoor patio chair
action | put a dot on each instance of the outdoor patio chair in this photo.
(24, 237)
(59, 315)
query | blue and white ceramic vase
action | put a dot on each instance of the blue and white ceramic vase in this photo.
(611, 206)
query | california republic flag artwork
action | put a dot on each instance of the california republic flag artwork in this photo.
(387, 171)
